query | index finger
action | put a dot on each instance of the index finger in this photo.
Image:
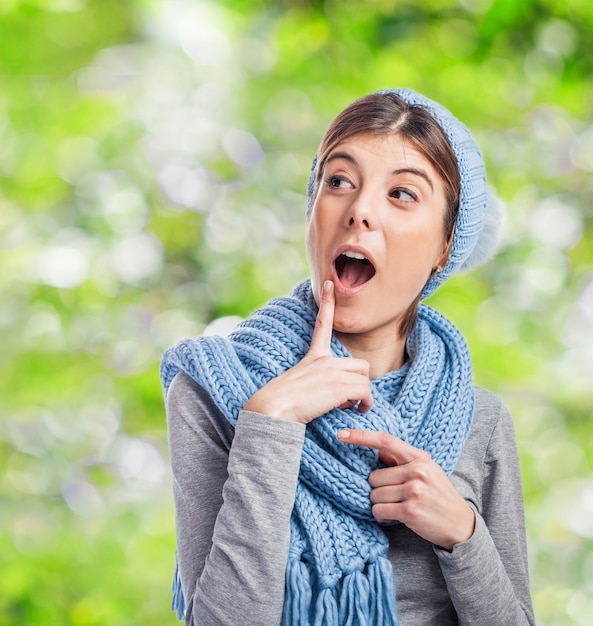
(322, 333)
(400, 451)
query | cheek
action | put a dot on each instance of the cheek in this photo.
(415, 257)
(311, 243)
(312, 248)
(315, 235)
(427, 243)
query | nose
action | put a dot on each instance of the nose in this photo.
(361, 213)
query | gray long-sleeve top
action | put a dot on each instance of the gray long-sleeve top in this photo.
(234, 492)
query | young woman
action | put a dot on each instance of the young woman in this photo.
(332, 462)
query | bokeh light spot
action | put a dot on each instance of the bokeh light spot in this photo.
(242, 147)
(202, 38)
(62, 266)
(581, 152)
(137, 257)
(187, 186)
(82, 497)
(556, 223)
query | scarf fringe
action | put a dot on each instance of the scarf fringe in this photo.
(359, 599)
(326, 608)
(178, 601)
(355, 600)
(380, 574)
(298, 594)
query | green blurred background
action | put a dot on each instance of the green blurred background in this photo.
(153, 159)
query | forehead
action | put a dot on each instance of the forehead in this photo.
(385, 149)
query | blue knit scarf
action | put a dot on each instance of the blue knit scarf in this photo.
(337, 571)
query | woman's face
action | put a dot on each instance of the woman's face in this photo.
(376, 230)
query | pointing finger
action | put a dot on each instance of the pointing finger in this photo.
(322, 333)
(387, 445)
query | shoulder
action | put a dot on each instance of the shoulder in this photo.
(190, 402)
(489, 412)
(487, 402)
(491, 417)
(185, 389)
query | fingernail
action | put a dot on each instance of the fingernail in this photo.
(343, 434)
(327, 285)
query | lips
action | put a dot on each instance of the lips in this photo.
(353, 268)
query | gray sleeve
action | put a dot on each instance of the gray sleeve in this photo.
(234, 494)
(487, 577)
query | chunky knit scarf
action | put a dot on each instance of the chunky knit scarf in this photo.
(338, 572)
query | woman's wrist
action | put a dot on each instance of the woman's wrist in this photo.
(463, 532)
(260, 402)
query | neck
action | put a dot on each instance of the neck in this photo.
(383, 356)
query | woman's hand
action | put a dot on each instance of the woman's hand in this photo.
(320, 382)
(414, 490)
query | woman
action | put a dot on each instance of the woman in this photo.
(332, 462)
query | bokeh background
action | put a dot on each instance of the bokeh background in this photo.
(153, 161)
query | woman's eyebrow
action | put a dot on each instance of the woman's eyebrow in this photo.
(341, 155)
(413, 170)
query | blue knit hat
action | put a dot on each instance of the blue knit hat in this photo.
(480, 212)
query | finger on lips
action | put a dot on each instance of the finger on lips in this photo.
(322, 333)
(321, 348)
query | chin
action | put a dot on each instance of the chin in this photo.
(348, 326)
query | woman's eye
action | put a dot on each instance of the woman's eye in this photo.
(403, 194)
(337, 182)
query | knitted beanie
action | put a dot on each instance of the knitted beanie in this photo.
(480, 212)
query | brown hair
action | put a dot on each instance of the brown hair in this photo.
(385, 113)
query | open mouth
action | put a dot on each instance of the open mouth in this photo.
(353, 269)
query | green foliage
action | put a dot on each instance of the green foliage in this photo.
(153, 161)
